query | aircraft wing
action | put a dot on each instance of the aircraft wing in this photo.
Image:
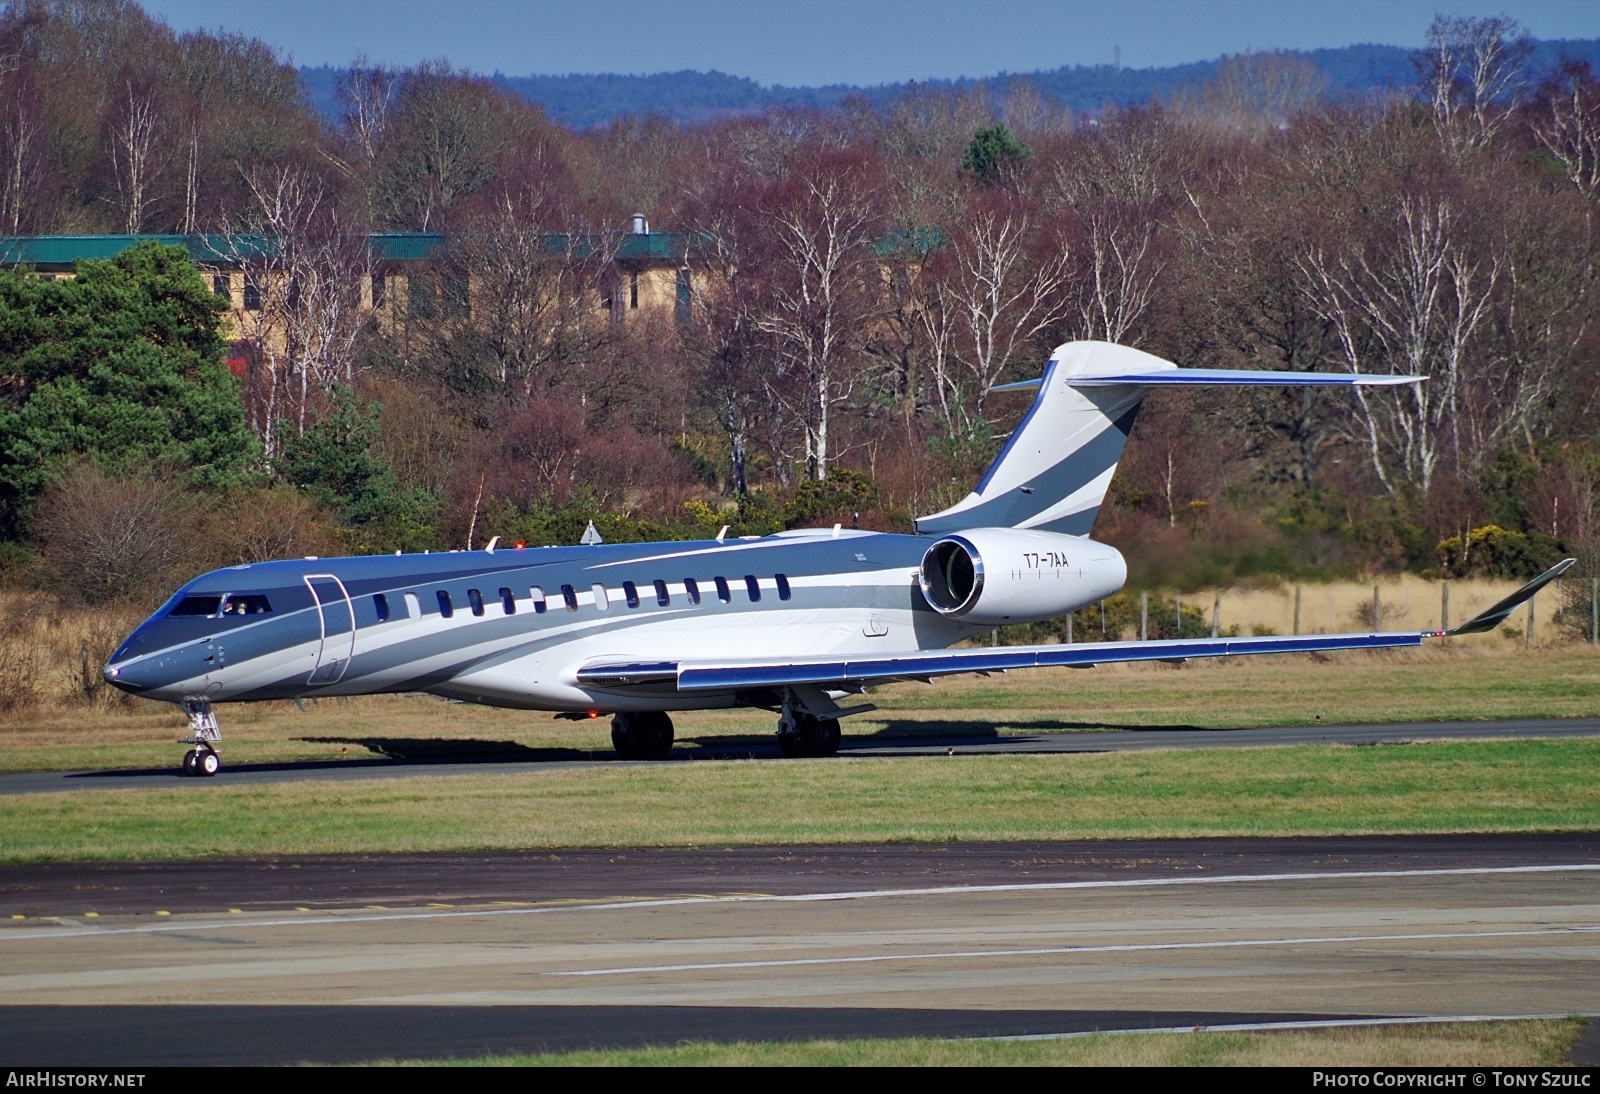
(849, 672)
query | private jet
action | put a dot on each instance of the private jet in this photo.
(799, 623)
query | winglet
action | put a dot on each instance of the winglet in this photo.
(1488, 620)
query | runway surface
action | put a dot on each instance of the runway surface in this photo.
(352, 958)
(435, 758)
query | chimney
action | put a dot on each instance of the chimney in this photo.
(641, 226)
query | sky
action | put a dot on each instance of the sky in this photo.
(819, 42)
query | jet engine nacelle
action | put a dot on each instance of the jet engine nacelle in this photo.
(990, 576)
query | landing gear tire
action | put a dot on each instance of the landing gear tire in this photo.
(814, 737)
(209, 764)
(646, 735)
(191, 762)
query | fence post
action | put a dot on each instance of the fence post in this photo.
(1527, 639)
(1144, 617)
(1444, 610)
(1177, 615)
(1377, 611)
(1069, 628)
(1594, 611)
(1297, 609)
(1216, 614)
(1103, 621)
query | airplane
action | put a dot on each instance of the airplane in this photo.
(793, 623)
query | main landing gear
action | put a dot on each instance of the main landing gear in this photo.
(802, 734)
(644, 735)
(204, 733)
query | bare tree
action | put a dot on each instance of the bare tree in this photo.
(1415, 304)
(1004, 288)
(21, 146)
(1569, 126)
(820, 277)
(135, 133)
(1472, 70)
(307, 266)
(1119, 272)
(1254, 94)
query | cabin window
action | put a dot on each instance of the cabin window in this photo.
(692, 587)
(601, 601)
(722, 590)
(247, 604)
(380, 605)
(446, 609)
(752, 587)
(413, 606)
(663, 597)
(197, 605)
(783, 587)
(570, 596)
(630, 593)
(537, 595)
(508, 602)
(475, 598)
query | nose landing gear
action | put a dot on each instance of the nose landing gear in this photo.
(204, 733)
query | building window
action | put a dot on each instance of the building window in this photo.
(630, 592)
(446, 609)
(420, 303)
(753, 587)
(380, 292)
(508, 602)
(783, 587)
(685, 298)
(454, 300)
(475, 598)
(252, 295)
(633, 290)
(221, 287)
(663, 596)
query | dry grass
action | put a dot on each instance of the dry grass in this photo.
(1459, 1044)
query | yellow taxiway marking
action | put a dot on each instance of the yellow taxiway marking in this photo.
(19, 917)
(236, 911)
(160, 912)
(91, 915)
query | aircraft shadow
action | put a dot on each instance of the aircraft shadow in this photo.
(985, 730)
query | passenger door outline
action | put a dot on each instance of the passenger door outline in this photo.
(337, 620)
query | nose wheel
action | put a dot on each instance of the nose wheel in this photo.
(202, 760)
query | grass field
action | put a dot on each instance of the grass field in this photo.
(1489, 786)
(1466, 682)
(1460, 1044)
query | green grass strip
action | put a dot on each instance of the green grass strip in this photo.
(1470, 786)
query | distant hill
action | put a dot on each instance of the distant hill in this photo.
(582, 101)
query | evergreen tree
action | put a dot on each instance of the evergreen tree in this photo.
(121, 363)
(993, 154)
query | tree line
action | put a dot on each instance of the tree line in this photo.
(862, 277)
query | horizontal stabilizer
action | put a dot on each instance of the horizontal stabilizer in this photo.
(1226, 377)
(1488, 620)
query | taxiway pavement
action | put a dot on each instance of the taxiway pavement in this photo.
(357, 958)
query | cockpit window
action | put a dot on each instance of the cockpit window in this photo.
(247, 604)
(197, 605)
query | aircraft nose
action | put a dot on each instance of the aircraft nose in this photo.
(132, 676)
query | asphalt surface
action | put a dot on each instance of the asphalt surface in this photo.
(346, 958)
(977, 739)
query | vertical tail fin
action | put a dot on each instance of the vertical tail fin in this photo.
(1054, 471)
